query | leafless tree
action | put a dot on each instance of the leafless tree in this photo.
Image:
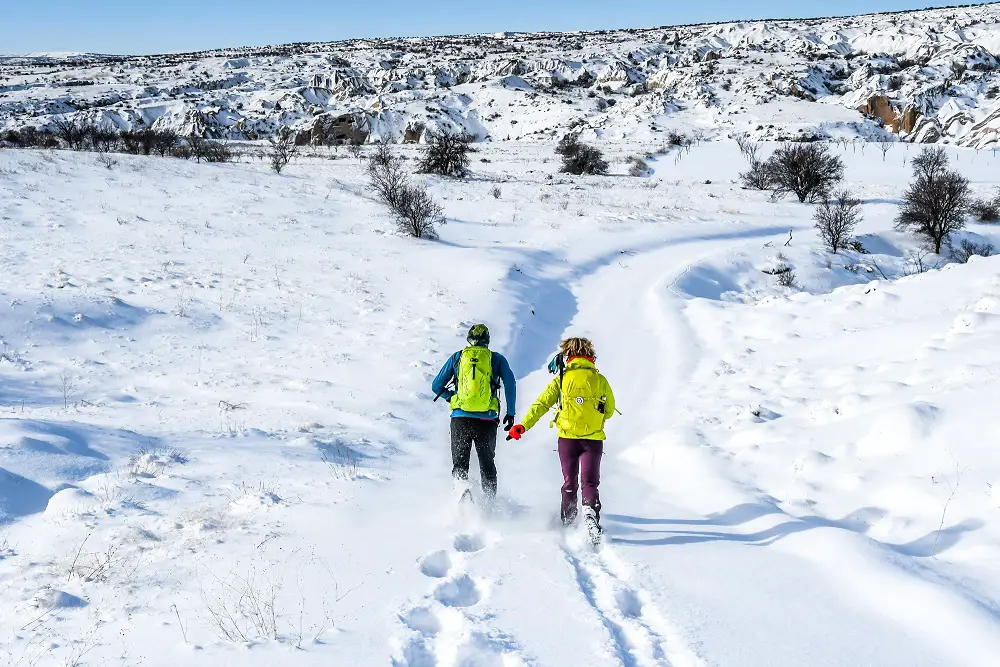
(283, 149)
(386, 174)
(836, 219)
(937, 200)
(71, 131)
(884, 145)
(758, 177)
(807, 170)
(446, 154)
(104, 139)
(417, 213)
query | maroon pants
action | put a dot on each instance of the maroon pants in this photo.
(581, 462)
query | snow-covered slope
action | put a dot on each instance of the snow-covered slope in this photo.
(218, 444)
(929, 76)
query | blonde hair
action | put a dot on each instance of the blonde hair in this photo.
(577, 347)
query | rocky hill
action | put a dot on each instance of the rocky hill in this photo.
(925, 76)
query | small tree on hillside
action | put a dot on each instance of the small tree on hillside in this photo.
(807, 170)
(386, 175)
(283, 149)
(164, 141)
(579, 158)
(937, 200)
(417, 213)
(104, 139)
(837, 218)
(446, 154)
(70, 131)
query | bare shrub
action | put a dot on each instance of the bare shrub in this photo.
(446, 154)
(148, 463)
(986, 210)
(788, 279)
(637, 167)
(836, 218)
(758, 177)
(163, 141)
(107, 161)
(214, 151)
(807, 170)
(114, 561)
(242, 608)
(71, 131)
(937, 200)
(283, 149)
(417, 213)
(386, 174)
(967, 249)
(495, 191)
(749, 148)
(104, 139)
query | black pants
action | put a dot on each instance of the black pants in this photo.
(483, 432)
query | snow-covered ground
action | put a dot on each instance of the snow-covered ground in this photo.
(219, 445)
(930, 75)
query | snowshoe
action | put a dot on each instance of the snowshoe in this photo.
(569, 517)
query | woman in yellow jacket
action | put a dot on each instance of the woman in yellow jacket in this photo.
(585, 402)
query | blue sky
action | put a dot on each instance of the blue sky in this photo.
(141, 26)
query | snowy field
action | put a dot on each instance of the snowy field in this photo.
(219, 445)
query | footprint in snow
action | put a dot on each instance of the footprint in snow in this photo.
(423, 620)
(436, 564)
(469, 543)
(628, 603)
(459, 592)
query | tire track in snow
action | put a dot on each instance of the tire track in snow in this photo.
(639, 633)
(447, 627)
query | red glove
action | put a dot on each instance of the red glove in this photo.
(515, 433)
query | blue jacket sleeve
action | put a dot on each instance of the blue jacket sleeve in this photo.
(509, 385)
(444, 377)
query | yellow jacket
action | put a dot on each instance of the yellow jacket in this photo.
(584, 390)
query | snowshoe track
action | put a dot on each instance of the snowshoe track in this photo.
(639, 634)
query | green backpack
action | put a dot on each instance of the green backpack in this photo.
(475, 382)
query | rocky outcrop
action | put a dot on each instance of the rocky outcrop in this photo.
(335, 129)
(901, 122)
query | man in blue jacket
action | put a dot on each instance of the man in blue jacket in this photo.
(470, 381)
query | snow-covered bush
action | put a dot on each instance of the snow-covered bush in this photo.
(937, 200)
(446, 154)
(836, 219)
(807, 170)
